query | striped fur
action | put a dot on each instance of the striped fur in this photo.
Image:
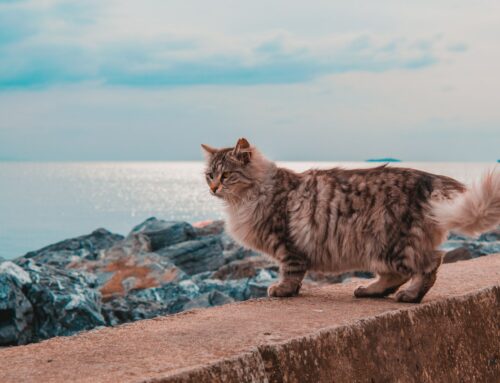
(335, 220)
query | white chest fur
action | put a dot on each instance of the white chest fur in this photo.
(241, 224)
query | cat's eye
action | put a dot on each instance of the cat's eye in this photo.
(210, 175)
(225, 175)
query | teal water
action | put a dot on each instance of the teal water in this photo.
(42, 203)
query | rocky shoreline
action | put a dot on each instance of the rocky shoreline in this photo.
(159, 268)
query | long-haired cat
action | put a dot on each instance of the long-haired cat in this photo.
(386, 220)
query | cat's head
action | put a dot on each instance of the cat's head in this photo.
(232, 171)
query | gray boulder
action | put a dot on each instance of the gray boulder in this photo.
(257, 286)
(131, 308)
(238, 253)
(212, 228)
(196, 256)
(164, 233)
(458, 254)
(491, 236)
(475, 248)
(10, 268)
(457, 237)
(64, 302)
(88, 247)
(486, 248)
(213, 298)
(246, 267)
(228, 242)
(236, 289)
(16, 313)
(129, 265)
(169, 298)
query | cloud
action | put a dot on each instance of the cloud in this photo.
(59, 43)
(459, 47)
(16, 26)
(174, 62)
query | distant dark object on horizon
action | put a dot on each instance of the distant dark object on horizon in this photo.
(383, 160)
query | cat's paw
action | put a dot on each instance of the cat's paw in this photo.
(361, 292)
(408, 297)
(283, 289)
(366, 292)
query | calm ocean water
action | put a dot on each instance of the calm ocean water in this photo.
(42, 203)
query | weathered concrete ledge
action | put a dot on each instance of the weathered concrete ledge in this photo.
(325, 335)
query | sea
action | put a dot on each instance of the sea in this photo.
(43, 203)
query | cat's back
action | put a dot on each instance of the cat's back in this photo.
(385, 179)
(337, 215)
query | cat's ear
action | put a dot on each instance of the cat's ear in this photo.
(208, 150)
(242, 150)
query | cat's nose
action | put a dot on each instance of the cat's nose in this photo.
(214, 186)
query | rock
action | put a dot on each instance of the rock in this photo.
(245, 268)
(169, 298)
(487, 248)
(21, 276)
(129, 265)
(128, 309)
(364, 274)
(16, 312)
(196, 256)
(451, 244)
(479, 249)
(214, 298)
(139, 272)
(257, 286)
(218, 299)
(319, 277)
(236, 289)
(459, 254)
(491, 236)
(486, 243)
(132, 245)
(64, 252)
(234, 251)
(164, 233)
(64, 302)
(201, 276)
(209, 228)
(457, 237)
(237, 253)
(229, 243)
(476, 248)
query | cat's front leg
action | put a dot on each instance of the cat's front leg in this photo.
(292, 272)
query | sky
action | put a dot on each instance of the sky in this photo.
(327, 80)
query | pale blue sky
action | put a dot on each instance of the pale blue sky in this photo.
(316, 80)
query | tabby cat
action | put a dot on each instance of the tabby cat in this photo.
(387, 220)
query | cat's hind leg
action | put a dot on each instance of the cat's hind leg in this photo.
(419, 286)
(385, 284)
(421, 282)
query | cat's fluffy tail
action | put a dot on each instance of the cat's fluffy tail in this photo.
(473, 212)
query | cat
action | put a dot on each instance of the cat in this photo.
(386, 220)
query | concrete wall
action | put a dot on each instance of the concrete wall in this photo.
(454, 340)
